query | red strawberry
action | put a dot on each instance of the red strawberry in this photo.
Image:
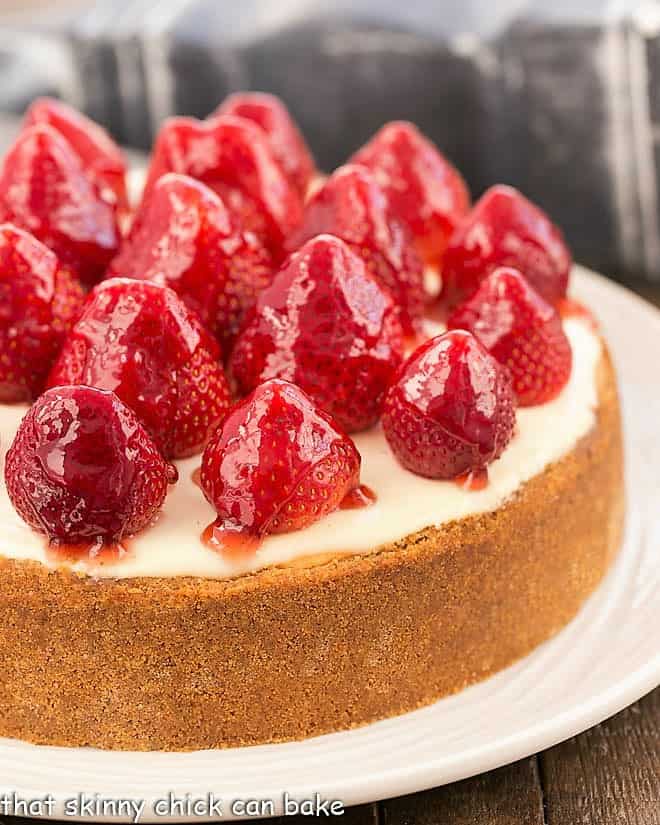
(82, 469)
(277, 463)
(424, 190)
(185, 239)
(45, 190)
(328, 326)
(232, 157)
(286, 142)
(505, 229)
(140, 341)
(100, 156)
(353, 207)
(39, 301)
(451, 409)
(521, 330)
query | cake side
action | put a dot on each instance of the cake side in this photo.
(300, 650)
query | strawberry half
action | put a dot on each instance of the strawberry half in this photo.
(277, 463)
(39, 301)
(424, 190)
(351, 206)
(521, 330)
(101, 158)
(45, 190)
(286, 142)
(505, 229)
(82, 469)
(328, 326)
(232, 157)
(184, 238)
(451, 409)
(139, 340)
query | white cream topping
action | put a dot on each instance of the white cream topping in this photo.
(405, 502)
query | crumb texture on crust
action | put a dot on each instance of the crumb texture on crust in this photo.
(292, 652)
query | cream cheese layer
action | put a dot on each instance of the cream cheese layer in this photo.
(405, 502)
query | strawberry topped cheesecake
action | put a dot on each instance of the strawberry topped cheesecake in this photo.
(284, 454)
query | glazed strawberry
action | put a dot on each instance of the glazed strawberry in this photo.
(328, 326)
(521, 330)
(451, 409)
(139, 340)
(353, 207)
(423, 189)
(45, 190)
(39, 302)
(185, 239)
(101, 158)
(82, 469)
(232, 157)
(286, 142)
(505, 229)
(277, 463)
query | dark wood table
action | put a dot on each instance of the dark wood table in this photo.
(609, 775)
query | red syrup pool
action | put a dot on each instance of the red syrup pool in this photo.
(229, 542)
(234, 542)
(361, 496)
(98, 551)
(473, 480)
(569, 308)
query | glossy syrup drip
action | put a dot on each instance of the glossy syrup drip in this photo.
(232, 541)
(229, 542)
(473, 480)
(361, 496)
(570, 308)
(98, 551)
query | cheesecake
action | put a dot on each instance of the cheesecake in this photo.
(235, 515)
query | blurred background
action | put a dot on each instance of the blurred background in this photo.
(560, 99)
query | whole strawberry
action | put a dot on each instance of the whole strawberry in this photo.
(521, 330)
(286, 142)
(328, 326)
(423, 189)
(451, 409)
(82, 469)
(351, 206)
(184, 238)
(45, 190)
(277, 463)
(39, 302)
(139, 340)
(101, 158)
(505, 229)
(232, 157)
